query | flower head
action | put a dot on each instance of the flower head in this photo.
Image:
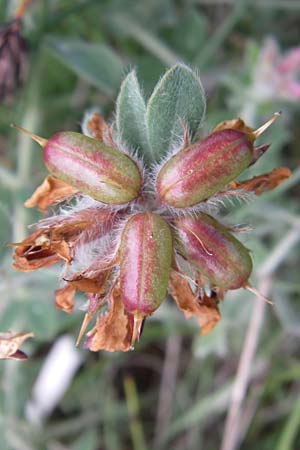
(276, 74)
(127, 251)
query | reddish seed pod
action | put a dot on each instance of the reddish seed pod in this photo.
(219, 256)
(145, 262)
(95, 169)
(201, 170)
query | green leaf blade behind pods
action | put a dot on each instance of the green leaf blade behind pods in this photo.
(177, 99)
(131, 116)
(96, 63)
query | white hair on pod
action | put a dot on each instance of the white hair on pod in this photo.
(177, 145)
(212, 205)
(89, 252)
(233, 196)
(68, 212)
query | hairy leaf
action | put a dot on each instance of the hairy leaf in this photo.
(178, 101)
(131, 115)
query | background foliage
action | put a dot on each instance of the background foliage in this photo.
(238, 386)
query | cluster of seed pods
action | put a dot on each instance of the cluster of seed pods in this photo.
(154, 229)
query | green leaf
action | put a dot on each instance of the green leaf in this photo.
(288, 436)
(177, 99)
(98, 64)
(190, 34)
(122, 23)
(37, 315)
(131, 115)
(30, 305)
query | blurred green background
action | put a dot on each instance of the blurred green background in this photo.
(239, 386)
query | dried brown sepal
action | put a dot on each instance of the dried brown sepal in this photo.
(100, 129)
(49, 192)
(206, 311)
(96, 301)
(57, 238)
(94, 221)
(35, 252)
(62, 249)
(64, 298)
(95, 283)
(113, 332)
(234, 124)
(263, 183)
(10, 343)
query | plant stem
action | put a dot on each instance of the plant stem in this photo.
(167, 388)
(231, 437)
(132, 401)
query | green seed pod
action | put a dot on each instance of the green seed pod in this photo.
(145, 263)
(95, 169)
(201, 170)
(220, 258)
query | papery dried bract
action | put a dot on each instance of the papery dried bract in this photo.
(113, 331)
(97, 127)
(234, 124)
(35, 252)
(58, 237)
(10, 344)
(64, 298)
(206, 310)
(49, 192)
(94, 282)
(263, 183)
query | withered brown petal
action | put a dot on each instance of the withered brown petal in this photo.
(206, 311)
(64, 298)
(34, 252)
(50, 191)
(62, 249)
(10, 343)
(96, 301)
(264, 182)
(23, 264)
(113, 331)
(95, 284)
(100, 129)
(37, 251)
(234, 124)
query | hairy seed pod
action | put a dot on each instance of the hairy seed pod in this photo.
(200, 170)
(145, 263)
(211, 248)
(95, 169)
